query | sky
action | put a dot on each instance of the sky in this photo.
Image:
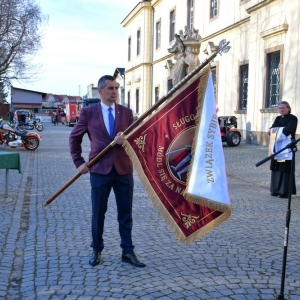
(82, 40)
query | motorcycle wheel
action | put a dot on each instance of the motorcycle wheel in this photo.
(31, 143)
(39, 127)
(20, 128)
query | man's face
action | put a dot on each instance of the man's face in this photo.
(283, 109)
(109, 94)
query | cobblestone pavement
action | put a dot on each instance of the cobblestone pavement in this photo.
(44, 251)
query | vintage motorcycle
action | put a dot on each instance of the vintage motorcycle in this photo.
(13, 138)
(21, 126)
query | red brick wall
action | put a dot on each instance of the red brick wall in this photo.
(4, 108)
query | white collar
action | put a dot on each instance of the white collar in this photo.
(106, 107)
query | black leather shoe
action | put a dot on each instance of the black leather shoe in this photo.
(95, 258)
(274, 194)
(133, 260)
(283, 196)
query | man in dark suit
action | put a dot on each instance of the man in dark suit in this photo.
(104, 123)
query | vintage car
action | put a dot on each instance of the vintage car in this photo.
(229, 132)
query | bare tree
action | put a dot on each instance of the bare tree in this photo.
(20, 38)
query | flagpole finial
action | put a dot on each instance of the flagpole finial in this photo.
(223, 47)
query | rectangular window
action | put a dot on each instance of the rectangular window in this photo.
(128, 99)
(138, 42)
(190, 13)
(214, 79)
(172, 25)
(170, 84)
(137, 101)
(273, 79)
(244, 71)
(213, 8)
(156, 92)
(129, 49)
(158, 35)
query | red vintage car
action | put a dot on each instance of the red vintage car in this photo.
(229, 132)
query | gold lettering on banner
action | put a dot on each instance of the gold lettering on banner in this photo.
(159, 156)
(141, 142)
(160, 164)
(162, 174)
(179, 190)
(170, 185)
(183, 121)
(188, 220)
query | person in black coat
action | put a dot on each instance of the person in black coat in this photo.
(10, 115)
(280, 170)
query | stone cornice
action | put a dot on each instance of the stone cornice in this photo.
(154, 3)
(258, 6)
(237, 24)
(269, 110)
(140, 6)
(145, 64)
(136, 67)
(283, 28)
(162, 59)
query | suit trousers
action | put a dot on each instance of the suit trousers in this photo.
(122, 186)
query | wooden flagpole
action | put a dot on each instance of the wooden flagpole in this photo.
(223, 47)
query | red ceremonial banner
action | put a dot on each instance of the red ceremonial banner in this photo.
(160, 151)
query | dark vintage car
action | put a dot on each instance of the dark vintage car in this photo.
(229, 132)
(23, 115)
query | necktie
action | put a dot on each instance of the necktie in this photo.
(111, 122)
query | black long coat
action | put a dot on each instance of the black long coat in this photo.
(289, 122)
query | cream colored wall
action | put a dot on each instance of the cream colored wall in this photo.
(251, 28)
(272, 19)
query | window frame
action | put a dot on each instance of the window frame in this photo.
(137, 101)
(190, 14)
(169, 84)
(129, 48)
(211, 9)
(215, 67)
(172, 23)
(158, 34)
(240, 103)
(268, 52)
(128, 99)
(156, 93)
(138, 42)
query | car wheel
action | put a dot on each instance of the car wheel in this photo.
(233, 139)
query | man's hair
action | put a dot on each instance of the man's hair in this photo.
(101, 81)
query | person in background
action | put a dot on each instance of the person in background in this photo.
(280, 169)
(10, 115)
(22, 117)
(55, 119)
(104, 123)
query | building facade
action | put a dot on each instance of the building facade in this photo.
(259, 71)
(26, 99)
